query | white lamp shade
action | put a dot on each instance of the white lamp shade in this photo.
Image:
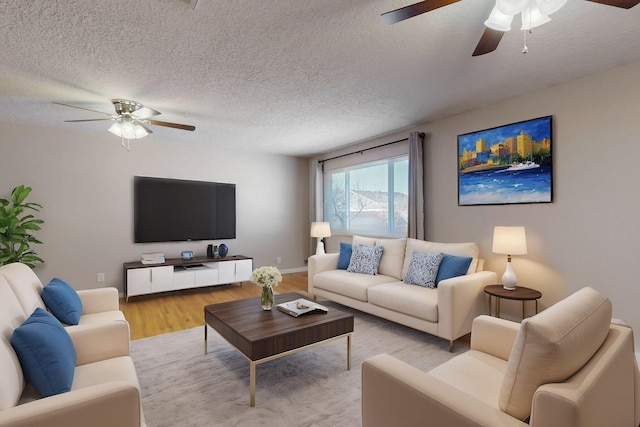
(511, 7)
(116, 129)
(320, 229)
(532, 17)
(499, 21)
(509, 240)
(547, 7)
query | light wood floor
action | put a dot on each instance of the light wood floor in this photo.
(151, 315)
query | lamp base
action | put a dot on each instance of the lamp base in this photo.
(509, 279)
(320, 248)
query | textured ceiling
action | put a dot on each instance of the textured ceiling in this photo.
(294, 77)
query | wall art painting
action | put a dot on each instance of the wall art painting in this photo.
(509, 164)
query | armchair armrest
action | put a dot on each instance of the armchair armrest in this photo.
(493, 336)
(100, 341)
(320, 263)
(99, 300)
(395, 393)
(111, 404)
(460, 300)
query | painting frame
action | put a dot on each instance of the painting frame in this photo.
(508, 164)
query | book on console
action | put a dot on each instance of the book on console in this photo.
(301, 306)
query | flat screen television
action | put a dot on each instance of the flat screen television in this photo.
(174, 210)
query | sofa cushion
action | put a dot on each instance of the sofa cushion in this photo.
(25, 284)
(423, 269)
(475, 373)
(416, 301)
(11, 377)
(392, 257)
(344, 256)
(460, 249)
(361, 240)
(553, 345)
(452, 266)
(46, 353)
(63, 301)
(104, 371)
(352, 285)
(365, 259)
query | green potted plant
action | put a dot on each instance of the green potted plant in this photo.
(17, 227)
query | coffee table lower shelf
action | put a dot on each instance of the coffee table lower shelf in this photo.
(264, 343)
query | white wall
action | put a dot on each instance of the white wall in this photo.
(589, 235)
(85, 184)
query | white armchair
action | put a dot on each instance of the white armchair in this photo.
(568, 366)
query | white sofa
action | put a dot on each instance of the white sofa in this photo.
(446, 311)
(568, 366)
(105, 390)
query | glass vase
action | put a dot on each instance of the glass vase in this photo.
(266, 299)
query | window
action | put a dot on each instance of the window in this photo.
(368, 198)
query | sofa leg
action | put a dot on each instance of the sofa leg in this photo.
(450, 346)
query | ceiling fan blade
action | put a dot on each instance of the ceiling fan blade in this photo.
(145, 113)
(89, 120)
(141, 123)
(414, 10)
(488, 42)
(625, 4)
(82, 108)
(170, 125)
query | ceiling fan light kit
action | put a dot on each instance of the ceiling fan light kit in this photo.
(533, 13)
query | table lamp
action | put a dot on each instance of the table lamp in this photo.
(320, 230)
(509, 241)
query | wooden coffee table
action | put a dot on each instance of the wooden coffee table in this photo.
(261, 336)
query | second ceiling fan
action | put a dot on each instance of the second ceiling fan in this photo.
(500, 19)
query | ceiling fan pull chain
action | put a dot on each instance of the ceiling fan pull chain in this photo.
(525, 49)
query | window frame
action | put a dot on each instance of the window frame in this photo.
(391, 162)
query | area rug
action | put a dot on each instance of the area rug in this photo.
(181, 386)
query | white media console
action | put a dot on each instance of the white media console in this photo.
(177, 273)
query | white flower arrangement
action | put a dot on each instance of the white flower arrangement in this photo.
(266, 276)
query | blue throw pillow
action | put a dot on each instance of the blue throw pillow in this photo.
(453, 266)
(345, 255)
(46, 353)
(63, 301)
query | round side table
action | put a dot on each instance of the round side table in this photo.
(520, 293)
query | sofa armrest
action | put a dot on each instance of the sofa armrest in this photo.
(601, 393)
(493, 336)
(111, 404)
(100, 341)
(397, 394)
(318, 264)
(99, 300)
(460, 300)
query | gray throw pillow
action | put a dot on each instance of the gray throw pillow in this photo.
(365, 259)
(423, 269)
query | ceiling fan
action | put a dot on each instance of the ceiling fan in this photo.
(492, 36)
(131, 119)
